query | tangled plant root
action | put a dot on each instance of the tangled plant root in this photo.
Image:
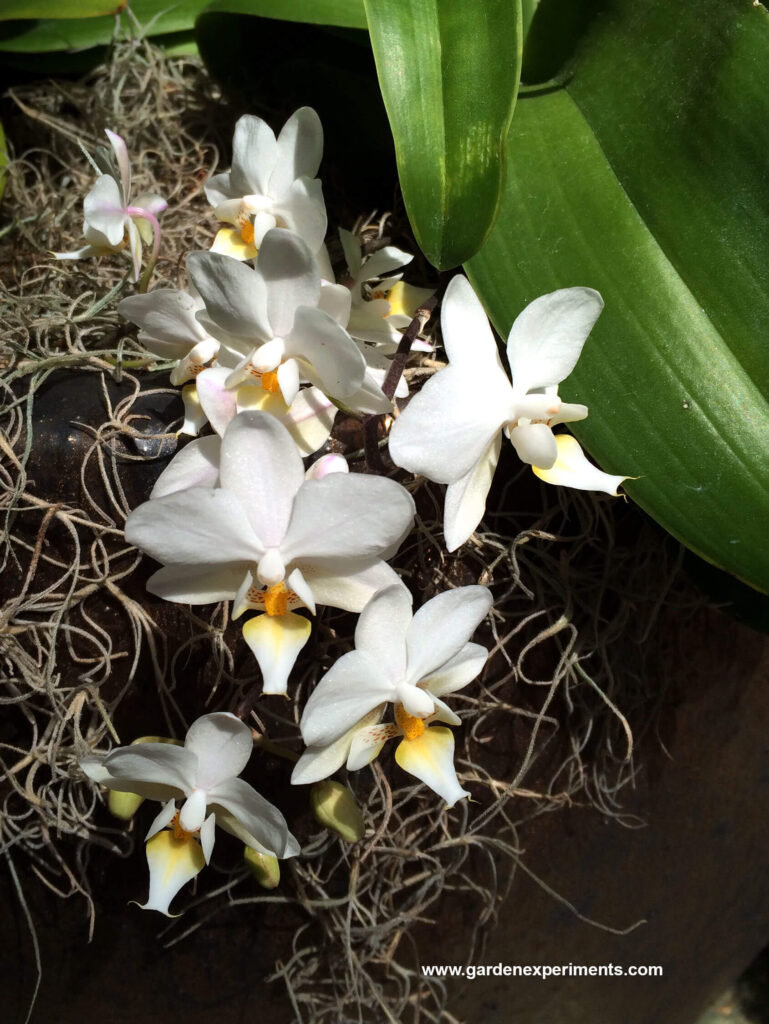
(573, 660)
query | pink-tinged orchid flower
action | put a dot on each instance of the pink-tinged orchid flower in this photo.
(451, 432)
(269, 539)
(275, 322)
(111, 221)
(410, 661)
(271, 184)
(203, 776)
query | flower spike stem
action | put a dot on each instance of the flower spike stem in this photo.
(397, 366)
(148, 215)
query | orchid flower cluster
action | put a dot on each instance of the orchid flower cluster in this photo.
(267, 347)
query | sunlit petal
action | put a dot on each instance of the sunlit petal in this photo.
(276, 641)
(572, 469)
(430, 757)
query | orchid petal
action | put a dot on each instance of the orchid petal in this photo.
(369, 397)
(295, 581)
(95, 768)
(222, 745)
(254, 152)
(134, 247)
(120, 150)
(467, 336)
(234, 294)
(194, 417)
(103, 209)
(381, 629)
(299, 150)
(196, 525)
(172, 863)
(275, 641)
(303, 211)
(218, 402)
(199, 583)
(465, 501)
(329, 357)
(288, 380)
(441, 628)
(430, 757)
(570, 412)
(384, 260)
(291, 277)
(151, 764)
(457, 671)
(309, 420)
(344, 517)
(208, 837)
(261, 819)
(230, 242)
(165, 817)
(446, 428)
(535, 444)
(443, 713)
(352, 252)
(327, 464)
(318, 763)
(151, 202)
(335, 300)
(546, 339)
(165, 314)
(196, 465)
(349, 590)
(572, 469)
(260, 464)
(406, 299)
(218, 189)
(352, 687)
(367, 743)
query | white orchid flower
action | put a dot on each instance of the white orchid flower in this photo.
(451, 432)
(272, 318)
(411, 662)
(373, 316)
(111, 221)
(169, 328)
(198, 464)
(269, 539)
(271, 184)
(203, 776)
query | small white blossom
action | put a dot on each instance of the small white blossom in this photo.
(203, 776)
(268, 538)
(451, 432)
(111, 222)
(411, 662)
(271, 184)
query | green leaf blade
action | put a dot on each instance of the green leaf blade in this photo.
(647, 187)
(160, 17)
(449, 76)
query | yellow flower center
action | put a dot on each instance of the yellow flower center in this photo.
(270, 381)
(178, 831)
(247, 233)
(411, 726)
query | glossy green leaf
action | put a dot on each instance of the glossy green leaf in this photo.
(343, 13)
(59, 8)
(647, 177)
(161, 17)
(449, 72)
